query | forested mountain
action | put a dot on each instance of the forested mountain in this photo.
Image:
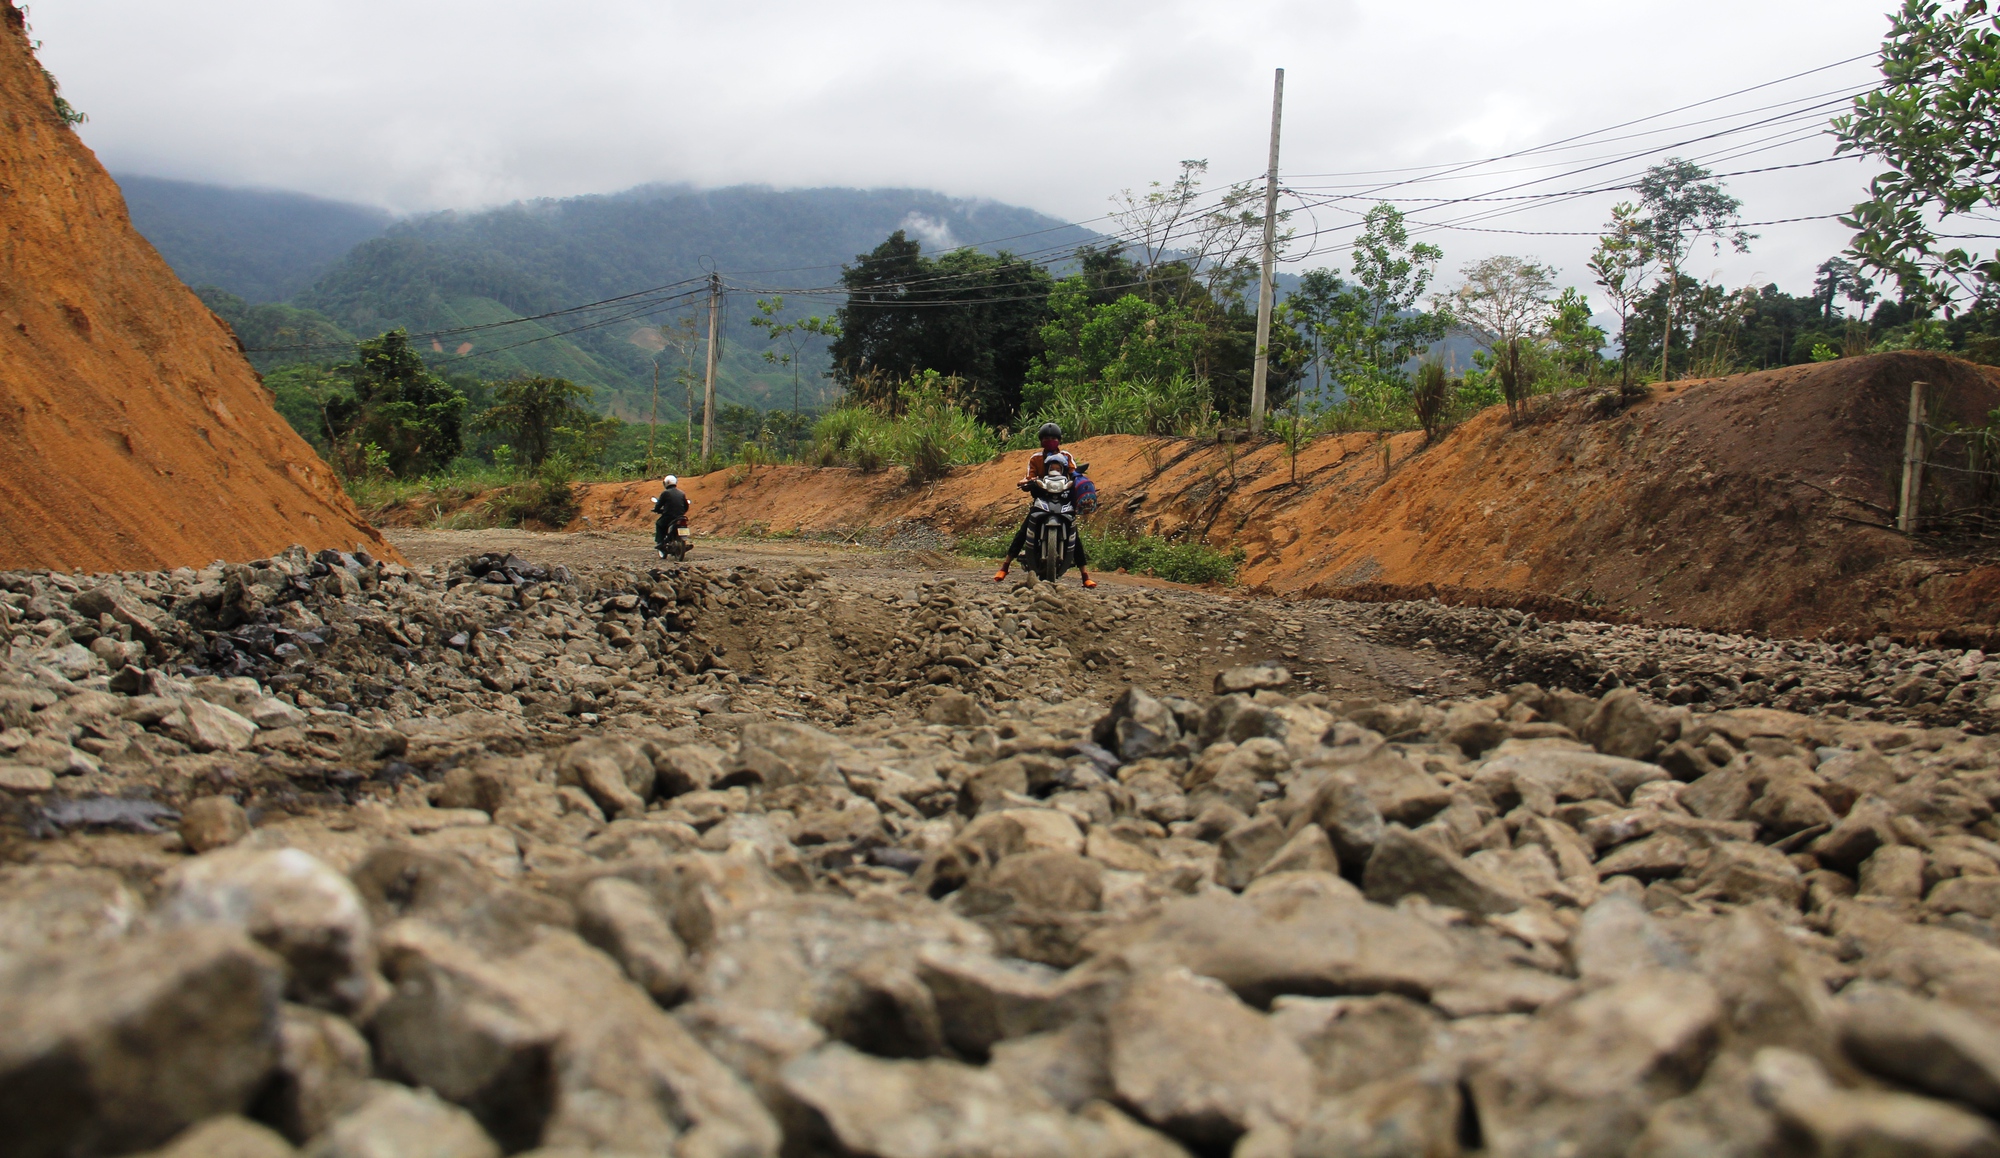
(457, 269)
(259, 244)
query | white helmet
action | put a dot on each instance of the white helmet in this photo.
(672, 480)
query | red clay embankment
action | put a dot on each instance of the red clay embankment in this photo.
(1749, 503)
(136, 435)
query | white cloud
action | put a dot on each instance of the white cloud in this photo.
(456, 103)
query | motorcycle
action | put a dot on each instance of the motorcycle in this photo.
(676, 548)
(1051, 524)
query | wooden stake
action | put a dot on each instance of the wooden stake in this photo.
(1913, 463)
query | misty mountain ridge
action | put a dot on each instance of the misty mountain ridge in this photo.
(457, 268)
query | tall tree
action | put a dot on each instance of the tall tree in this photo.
(536, 412)
(1623, 265)
(1836, 278)
(1683, 203)
(412, 416)
(969, 315)
(1394, 276)
(1503, 299)
(1575, 337)
(1933, 121)
(793, 335)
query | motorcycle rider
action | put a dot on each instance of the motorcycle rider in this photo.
(672, 506)
(1051, 455)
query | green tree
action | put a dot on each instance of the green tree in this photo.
(538, 412)
(1088, 347)
(1575, 337)
(1933, 121)
(1623, 266)
(1394, 275)
(1683, 204)
(793, 334)
(1504, 299)
(412, 416)
(968, 315)
(1836, 278)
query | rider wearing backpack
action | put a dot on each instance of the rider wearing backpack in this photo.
(1052, 455)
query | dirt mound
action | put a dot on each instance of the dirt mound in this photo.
(137, 435)
(1753, 503)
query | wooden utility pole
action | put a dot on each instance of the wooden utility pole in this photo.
(708, 391)
(1913, 463)
(1265, 288)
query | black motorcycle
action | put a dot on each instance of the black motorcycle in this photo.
(1050, 547)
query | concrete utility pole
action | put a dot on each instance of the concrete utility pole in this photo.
(708, 391)
(1265, 288)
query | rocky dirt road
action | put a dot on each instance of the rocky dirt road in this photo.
(537, 847)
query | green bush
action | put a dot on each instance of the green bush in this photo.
(932, 434)
(987, 546)
(935, 434)
(550, 499)
(1152, 555)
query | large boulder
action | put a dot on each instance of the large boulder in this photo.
(1583, 1079)
(1192, 1059)
(290, 903)
(118, 1047)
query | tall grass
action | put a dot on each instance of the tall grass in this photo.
(931, 433)
(1176, 406)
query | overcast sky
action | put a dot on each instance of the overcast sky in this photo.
(427, 104)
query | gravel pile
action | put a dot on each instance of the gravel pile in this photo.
(1879, 679)
(649, 907)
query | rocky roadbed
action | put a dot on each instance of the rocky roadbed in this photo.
(325, 855)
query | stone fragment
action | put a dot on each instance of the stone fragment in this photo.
(1945, 1052)
(1865, 828)
(1979, 896)
(1307, 851)
(228, 1136)
(1408, 1115)
(1624, 725)
(399, 1122)
(1404, 864)
(322, 1072)
(47, 906)
(886, 1108)
(1245, 849)
(1895, 871)
(207, 727)
(1584, 1076)
(292, 904)
(1618, 938)
(1137, 726)
(551, 1043)
(621, 918)
(210, 822)
(1299, 943)
(118, 1047)
(1742, 872)
(1352, 1041)
(1194, 1061)
(618, 775)
(1858, 1122)
(25, 778)
(1342, 808)
(1401, 792)
(955, 709)
(1660, 855)
(776, 753)
(1255, 677)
